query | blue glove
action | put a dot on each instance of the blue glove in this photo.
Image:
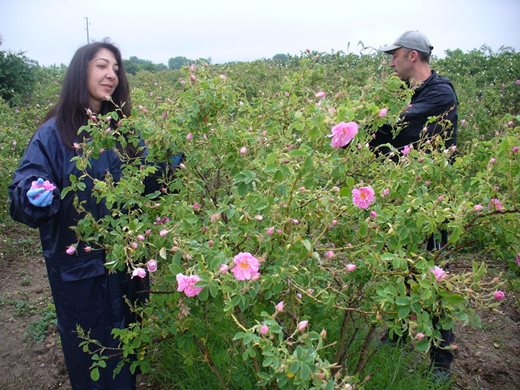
(177, 159)
(41, 193)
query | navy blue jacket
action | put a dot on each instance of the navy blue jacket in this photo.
(84, 292)
(434, 97)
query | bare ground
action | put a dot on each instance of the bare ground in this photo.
(486, 358)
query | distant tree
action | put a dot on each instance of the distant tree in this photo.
(281, 58)
(135, 64)
(17, 76)
(179, 62)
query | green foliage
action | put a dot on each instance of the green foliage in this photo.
(37, 331)
(17, 76)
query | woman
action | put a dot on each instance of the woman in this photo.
(84, 293)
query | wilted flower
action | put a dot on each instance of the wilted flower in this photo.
(385, 192)
(163, 232)
(88, 249)
(517, 82)
(187, 284)
(478, 207)
(515, 149)
(517, 259)
(499, 295)
(493, 160)
(71, 250)
(439, 273)
(139, 272)
(243, 150)
(224, 268)
(189, 137)
(264, 329)
(302, 325)
(495, 204)
(259, 217)
(343, 133)
(363, 197)
(269, 231)
(246, 266)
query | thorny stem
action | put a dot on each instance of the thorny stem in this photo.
(207, 357)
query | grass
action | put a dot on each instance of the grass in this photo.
(37, 330)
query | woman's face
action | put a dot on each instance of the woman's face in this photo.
(102, 78)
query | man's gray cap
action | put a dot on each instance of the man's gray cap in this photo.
(414, 40)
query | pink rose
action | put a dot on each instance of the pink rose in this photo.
(189, 137)
(151, 265)
(224, 268)
(499, 295)
(187, 284)
(478, 207)
(163, 232)
(246, 266)
(419, 336)
(343, 133)
(71, 250)
(87, 249)
(351, 267)
(407, 149)
(363, 197)
(243, 150)
(140, 272)
(439, 273)
(269, 231)
(517, 82)
(329, 254)
(383, 112)
(373, 214)
(385, 192)
(321, 94)
(140, 237)
(196, 206)
(279, 307)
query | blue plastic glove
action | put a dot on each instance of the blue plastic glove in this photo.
(177, 160)
(41, 193)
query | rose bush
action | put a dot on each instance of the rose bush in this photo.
(274, 200)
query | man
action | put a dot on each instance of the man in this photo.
(433, 96)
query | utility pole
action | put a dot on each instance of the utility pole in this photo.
(86, 23)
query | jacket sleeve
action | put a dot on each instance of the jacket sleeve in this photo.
(36, 162)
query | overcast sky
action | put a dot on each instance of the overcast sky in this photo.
(50, 31)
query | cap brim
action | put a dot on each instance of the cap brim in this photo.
(389, 49)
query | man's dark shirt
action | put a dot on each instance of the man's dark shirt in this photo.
(434, 97)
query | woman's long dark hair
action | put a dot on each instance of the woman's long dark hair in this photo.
(70, 111)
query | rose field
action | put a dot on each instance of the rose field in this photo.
(281, 249)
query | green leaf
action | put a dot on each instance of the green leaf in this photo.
(162, 253)
(305, 372)
(94, 374)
